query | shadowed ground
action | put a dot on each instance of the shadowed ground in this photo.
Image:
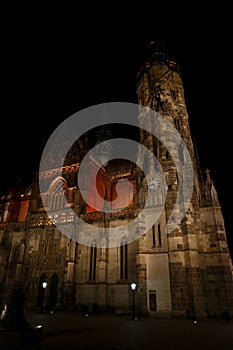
(62, 330)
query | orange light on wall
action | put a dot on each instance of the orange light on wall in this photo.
(96, 203)
(23, 210)
(123, 194)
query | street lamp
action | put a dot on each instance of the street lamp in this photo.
(133, 288)
(44, 285)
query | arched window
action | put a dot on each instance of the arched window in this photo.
(177, 123)
(181, 153)
(15, 256)
(123, 259)
(153, 236)
(92, 268)
(57, 200)
(156, 236)
(53, 291)
(159, 235)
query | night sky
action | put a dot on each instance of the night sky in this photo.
(58, 59)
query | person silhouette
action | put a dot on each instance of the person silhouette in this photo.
(16, 309)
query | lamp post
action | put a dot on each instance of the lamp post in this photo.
(133, 288)
(44, 285)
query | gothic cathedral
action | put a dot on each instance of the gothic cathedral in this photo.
(183, 271)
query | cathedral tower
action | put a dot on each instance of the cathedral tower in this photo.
(188, 268)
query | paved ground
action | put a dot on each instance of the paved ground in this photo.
(65, 330)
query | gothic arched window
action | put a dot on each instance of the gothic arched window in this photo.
(57, 200)
(92, 269)
(123, 259)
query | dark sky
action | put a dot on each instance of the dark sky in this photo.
(58, 59)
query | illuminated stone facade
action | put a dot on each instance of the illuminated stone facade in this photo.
(183, 272)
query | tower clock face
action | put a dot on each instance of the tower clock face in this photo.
(153, 184)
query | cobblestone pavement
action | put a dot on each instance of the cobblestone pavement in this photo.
(63, 330)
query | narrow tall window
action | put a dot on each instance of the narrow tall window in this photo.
(92, 270)
(123, 260)
(173, 94)
(159, 235)
(181, 153)
(153, 236)
(16, 254)
(177, 123)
